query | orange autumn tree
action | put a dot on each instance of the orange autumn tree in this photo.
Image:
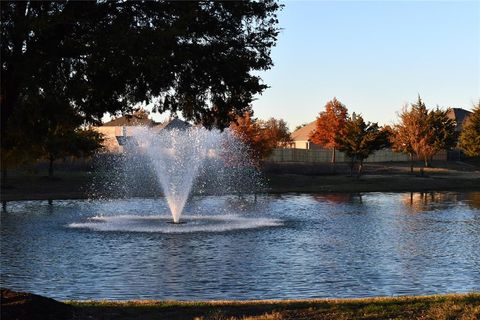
(329, 125)
(261, 137)
(249, 131)
(276, 133)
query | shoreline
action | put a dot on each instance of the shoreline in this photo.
(440, 306)
(454, 176)
(66, 189)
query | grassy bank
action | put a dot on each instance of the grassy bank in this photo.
(280, 183)
(454, 306)
(304, 178)
(28, 186)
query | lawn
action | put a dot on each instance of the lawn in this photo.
(453, 306)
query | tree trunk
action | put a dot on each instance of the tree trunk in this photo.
(4, 175)
(352, 165)
(333, 160)
(411, 162)
(50, 167)
(360, 167)
(427, 164)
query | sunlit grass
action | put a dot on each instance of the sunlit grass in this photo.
(452, 306)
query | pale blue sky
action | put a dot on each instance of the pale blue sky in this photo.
(374, 57)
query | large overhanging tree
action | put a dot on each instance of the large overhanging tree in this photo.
(93, 57)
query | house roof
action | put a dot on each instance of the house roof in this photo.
(139, 118)
(458, 115)
(174, 123)
(303, 134)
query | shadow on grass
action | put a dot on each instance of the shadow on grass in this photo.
(463, 306)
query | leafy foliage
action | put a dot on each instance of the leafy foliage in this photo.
(85, 58)
(469, 140)
(261, 137)
(276, 132)
(249, 131)
(405, 133)
(106, 56)
(329, 124)
(441, 131)
(61, 141)
(359, 139)
(422, 132)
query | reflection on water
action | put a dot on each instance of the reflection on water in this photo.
(339, 198)
(427, 201)
(336, 245)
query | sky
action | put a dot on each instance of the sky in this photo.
(374, 57)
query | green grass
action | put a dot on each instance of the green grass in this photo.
(452, 306)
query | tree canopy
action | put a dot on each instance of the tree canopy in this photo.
(276, 132)
(191, 57)
(469, 140)
(441, 133)
(359, 139)
(422, 132)
(329, 124)
(86, 58)
(261, 137)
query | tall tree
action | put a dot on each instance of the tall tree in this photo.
(329, 124)
(441, 133)
(276, 132)
(469, 140)
(13, 154)
(65, 142)
(195, 58)
(261, 137)
(423, 133)
(405, 133)
(249, 131)
(359, 139)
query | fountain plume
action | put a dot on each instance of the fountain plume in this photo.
(179, 162)
(177, 156)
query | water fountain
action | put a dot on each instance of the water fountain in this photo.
(177, 156)
(182, 162)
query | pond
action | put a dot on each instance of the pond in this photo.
(231, 247)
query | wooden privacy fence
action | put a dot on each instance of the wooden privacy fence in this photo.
(325, 155)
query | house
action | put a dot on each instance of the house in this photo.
(171, 124)
(122, 127)
(117, 131)
(458, 115)
(301, 137)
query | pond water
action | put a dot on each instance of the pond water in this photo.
(272, 247)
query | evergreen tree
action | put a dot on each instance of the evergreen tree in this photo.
(469, 140)
(441, 133)
(358, 140)
(423, 133)
(404, 134)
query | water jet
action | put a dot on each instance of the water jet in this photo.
(186, 161)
